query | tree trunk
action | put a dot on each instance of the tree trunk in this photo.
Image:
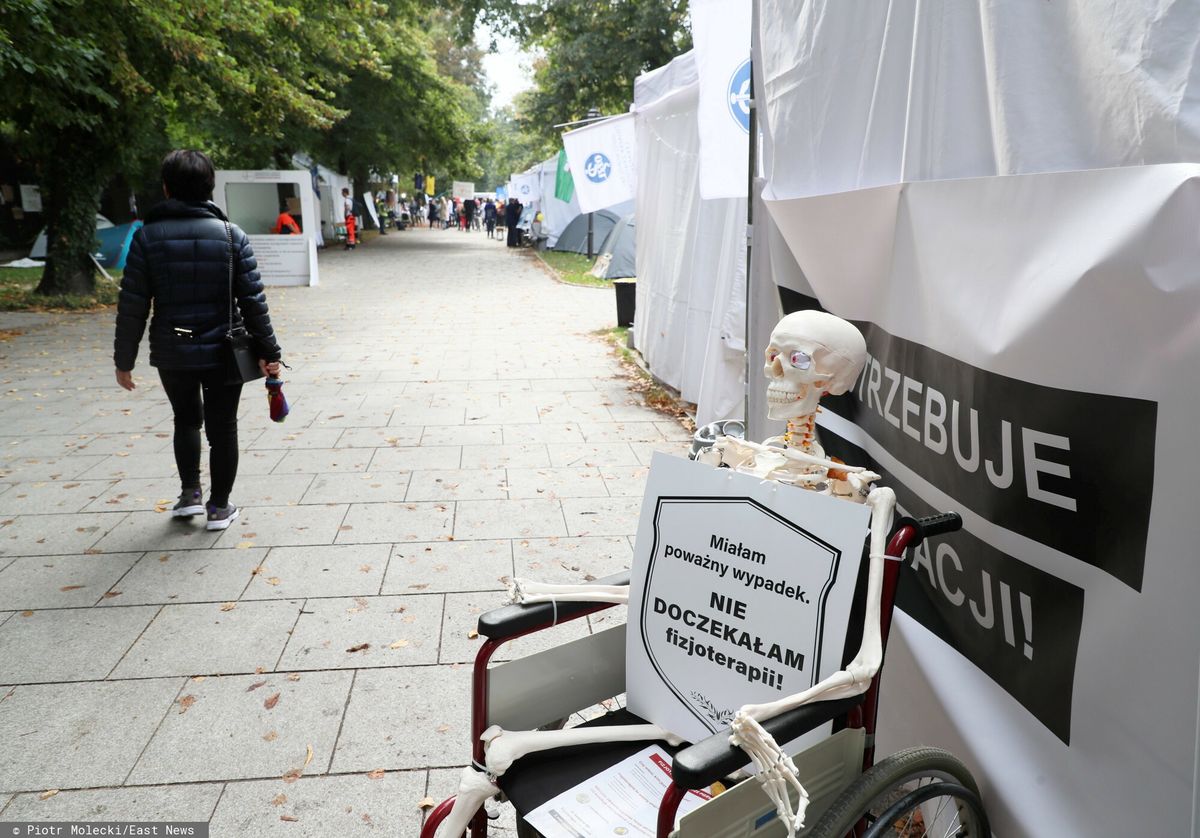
(362, 185)
(70, 197)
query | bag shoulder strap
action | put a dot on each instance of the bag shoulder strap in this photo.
(229, 253)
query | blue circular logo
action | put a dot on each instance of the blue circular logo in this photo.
(739, 95)
(598, 167)
(524, 188)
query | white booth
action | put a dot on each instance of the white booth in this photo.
(253, 200)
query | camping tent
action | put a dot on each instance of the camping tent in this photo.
(574, 238)
(618, 254)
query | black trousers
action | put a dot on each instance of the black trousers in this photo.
(202, 398)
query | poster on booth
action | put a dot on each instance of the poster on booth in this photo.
(253, 200)
(525, 187)
(603, 159)
(740, 593)
(1043, 382)
(463, 189)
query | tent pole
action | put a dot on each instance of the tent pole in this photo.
(752, 161)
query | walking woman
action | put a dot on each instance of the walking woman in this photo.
(180, 261)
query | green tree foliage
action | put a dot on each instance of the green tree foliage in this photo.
(590, 52)
(89, 89)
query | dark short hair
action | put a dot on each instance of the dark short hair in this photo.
(188, 175)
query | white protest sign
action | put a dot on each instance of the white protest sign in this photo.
(721, 32)
(603, 158)
(463, 189)
(740, 593)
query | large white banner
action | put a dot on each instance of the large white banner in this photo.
(740, 594)
(525, 187)
(1034, 364)
(603, 159)
(463, 189)
(721, 34)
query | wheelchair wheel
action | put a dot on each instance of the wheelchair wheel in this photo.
(914, 793)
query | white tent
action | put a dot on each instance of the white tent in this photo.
(909, 149)
(691, 267)
(557, 214)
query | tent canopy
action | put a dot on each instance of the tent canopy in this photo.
(618, 254)
(573, 238)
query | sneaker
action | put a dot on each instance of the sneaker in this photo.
(220, 517)
(189, 504)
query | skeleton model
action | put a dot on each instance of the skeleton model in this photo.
(811, 354)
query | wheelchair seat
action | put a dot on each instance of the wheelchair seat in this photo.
(538, 777)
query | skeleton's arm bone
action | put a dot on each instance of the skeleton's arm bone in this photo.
(527, 592)
(473, 789)
(777, 769)
(504, 747)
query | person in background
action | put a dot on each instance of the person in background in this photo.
(351, 221)
(469, 213)
(489, 217)
(285, 224)
(433, 213)
(513, 215)
(180, 266)
(502, 218)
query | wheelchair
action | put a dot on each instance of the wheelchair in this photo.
(919, 791)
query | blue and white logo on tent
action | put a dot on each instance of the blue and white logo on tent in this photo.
(739, 95)
(598, 167)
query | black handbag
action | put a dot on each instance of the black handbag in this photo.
(241, 359)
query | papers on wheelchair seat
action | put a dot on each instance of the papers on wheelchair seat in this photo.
(621, 800)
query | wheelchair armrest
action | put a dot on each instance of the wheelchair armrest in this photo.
(514, 620)
(711, 759)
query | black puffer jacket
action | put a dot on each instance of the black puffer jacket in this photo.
(180, 260)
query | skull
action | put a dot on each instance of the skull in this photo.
(811, 353)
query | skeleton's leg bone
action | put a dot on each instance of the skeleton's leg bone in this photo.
(473, 789)
(504, 747)
(790, 453)
(853, 680)
(525, 591)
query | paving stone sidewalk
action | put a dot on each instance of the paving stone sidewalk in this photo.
(453, 423)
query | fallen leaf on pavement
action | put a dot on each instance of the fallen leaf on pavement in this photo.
(399, 644)
(443, 728)
(271, 702)
(361, 647)
(47, 794)
(294, 676)
(186, 702)
(242, 545)
(472, 634)
(270, 736)
(274, 580)
(426, 803)
(365, 568)
(292, 776)
(279, 799)
(289, 818)
(377, 774)
(26, 613)
(229, 606)
(308, 756)
(255, 686)
(66, 588)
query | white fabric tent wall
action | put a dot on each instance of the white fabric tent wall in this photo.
(557, 213)
(691, 261)
(861, 93)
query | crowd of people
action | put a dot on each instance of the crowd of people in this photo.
(498, 218)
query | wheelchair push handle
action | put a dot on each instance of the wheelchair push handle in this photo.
(920, 529)
(940, 524)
